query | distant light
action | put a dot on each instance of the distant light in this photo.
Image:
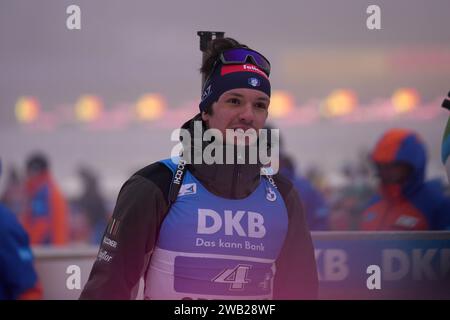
(88, 108)
(27, 109)
(281, 104)
(150, 107)
(405, 100)
(340, 102)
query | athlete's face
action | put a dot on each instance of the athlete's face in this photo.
(239, 109)
(393, 173)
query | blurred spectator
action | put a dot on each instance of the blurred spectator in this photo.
(405, 201)
(45, 217)
(18, 279)
(313, 202)
(348, 201)
(92, 204)
(317, 177)
(14, 195)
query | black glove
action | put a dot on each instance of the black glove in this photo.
(446, 102)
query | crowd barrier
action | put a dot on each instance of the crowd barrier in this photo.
(351, 265)
(383, 265)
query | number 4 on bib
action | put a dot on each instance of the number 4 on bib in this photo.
(236, 277)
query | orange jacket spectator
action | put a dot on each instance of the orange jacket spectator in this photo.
(405, 200)
(46, 216)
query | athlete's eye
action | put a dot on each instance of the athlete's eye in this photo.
(262, 105)
(234, 101)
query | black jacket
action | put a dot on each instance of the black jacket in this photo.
(142, 205)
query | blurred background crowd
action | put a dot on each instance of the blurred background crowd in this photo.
(358, 109)
(81, 110)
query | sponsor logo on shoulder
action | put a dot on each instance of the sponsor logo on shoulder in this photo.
(103, 255)
(188, 188)
(110, 242)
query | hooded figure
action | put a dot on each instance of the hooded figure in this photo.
(405, 201)
(46, 216)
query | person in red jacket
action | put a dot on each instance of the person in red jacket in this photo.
(405, 201)
(46, 217)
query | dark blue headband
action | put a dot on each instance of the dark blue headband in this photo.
(228, 77)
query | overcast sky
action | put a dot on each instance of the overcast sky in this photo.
(125, 48)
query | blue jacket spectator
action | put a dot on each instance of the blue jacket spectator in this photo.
(18, 279)
(317, 211)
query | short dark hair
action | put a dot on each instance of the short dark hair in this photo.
(212, 53)
(37, 163)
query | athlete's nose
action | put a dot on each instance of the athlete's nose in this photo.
(247, 114)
